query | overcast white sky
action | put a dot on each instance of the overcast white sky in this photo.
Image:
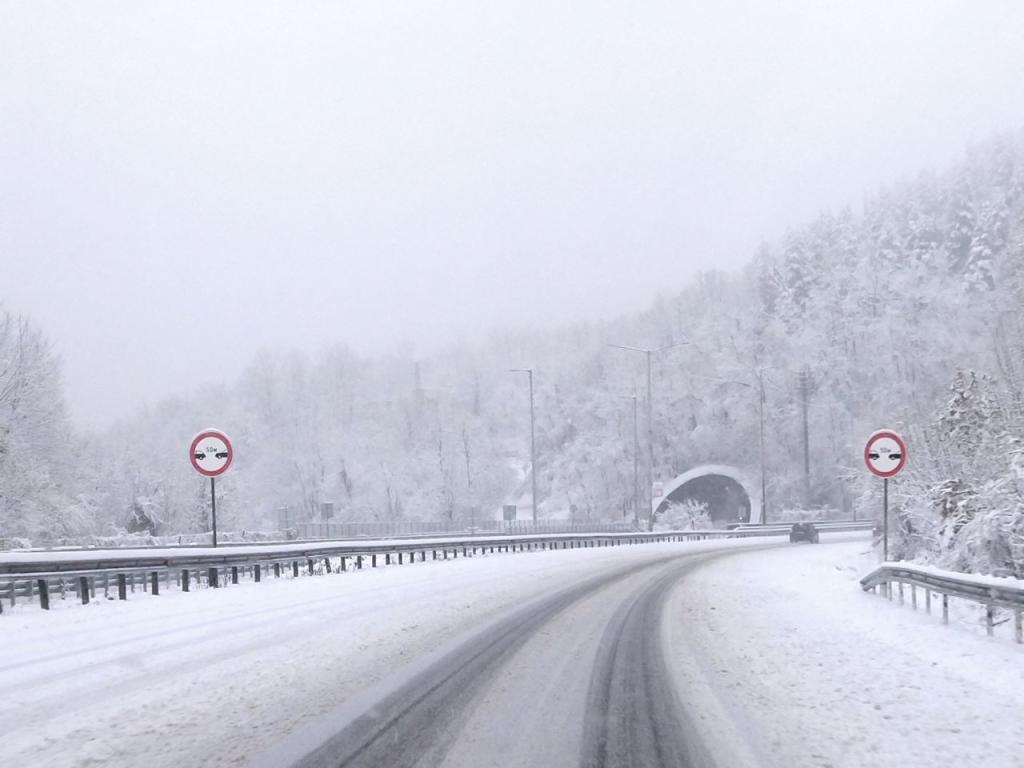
(182, 183)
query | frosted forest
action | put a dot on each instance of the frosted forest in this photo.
(904, 313)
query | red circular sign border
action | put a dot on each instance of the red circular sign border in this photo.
(192, 452)
(903, 452)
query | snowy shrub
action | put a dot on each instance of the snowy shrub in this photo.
(962, 508)
(686, 516)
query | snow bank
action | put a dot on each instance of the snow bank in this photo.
(793, 664)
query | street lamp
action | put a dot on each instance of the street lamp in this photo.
(636, 464)
(533, 443)
(650, 418)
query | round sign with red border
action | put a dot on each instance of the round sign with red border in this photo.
(211, 453)
(885, 453)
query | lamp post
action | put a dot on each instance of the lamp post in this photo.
(533, 443)
(636, 463)
(650, 419)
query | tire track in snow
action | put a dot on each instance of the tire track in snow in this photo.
(634, 716)
(416, 724)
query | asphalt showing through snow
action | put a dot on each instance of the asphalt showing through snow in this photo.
(578, 677)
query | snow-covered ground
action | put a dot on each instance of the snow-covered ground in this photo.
(791, 664)
(217, 676)
(780, 655)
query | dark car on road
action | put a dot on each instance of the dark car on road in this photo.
(803, 532)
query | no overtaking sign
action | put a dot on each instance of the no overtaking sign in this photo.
(885, 453)
(211, 454)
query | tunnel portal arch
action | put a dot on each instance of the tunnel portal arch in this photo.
(727, 490)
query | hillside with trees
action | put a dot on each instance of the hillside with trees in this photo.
(906, 313)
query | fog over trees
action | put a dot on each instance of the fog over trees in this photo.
(905, 314)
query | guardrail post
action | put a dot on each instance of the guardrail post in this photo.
(256, 573)
(309, 565)
(234, 574)
(122, 590)
(184, 580)
(435, 552)
(445, 552)
(928, 601)
(359, 562)
(44, 594)
(342, 564)
(989, 623)
(373, 561)
(900, 587)
(154, 581)
(295, 569)
(1018, 626)
(327, 564)
(212, 576)
(401, 558)
(945, 609)
(277, 570)
(83, 589)
(913, 596)
(423, 555)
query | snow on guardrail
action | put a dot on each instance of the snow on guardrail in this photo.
(81, 573)
(990, 591)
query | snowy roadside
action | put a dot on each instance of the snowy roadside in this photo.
(216, 676)
(790, 663)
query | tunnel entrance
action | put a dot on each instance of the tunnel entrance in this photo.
(726, 499)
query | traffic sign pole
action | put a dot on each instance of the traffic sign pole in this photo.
(885, 520)
(885, 455)
(211, 454)
(213, 507)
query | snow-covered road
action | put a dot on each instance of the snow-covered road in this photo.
(665, 654)
(218, 676)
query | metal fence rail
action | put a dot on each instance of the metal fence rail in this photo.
(83, 575)
(117, 574)
(977, 589)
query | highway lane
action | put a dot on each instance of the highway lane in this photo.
(230, 677)
(578, 677)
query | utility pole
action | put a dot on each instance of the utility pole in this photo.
(533, 443)
(764, 481)
(805, 394)
(650, 446)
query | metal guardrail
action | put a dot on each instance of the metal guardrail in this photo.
(405, 528)
(975, 589)
(127, 572)
(83, 573)
(826, 525)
